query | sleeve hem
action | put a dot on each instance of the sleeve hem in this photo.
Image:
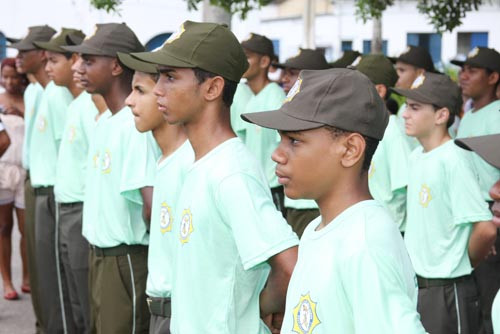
(472, 219)
(271, 251)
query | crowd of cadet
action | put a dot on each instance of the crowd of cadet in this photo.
(166, 191)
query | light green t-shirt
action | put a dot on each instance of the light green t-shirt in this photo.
(485, 121)
(353, 276)
(168, 184)
(32, 97)
(121, 161)
(228, 227)
(388, 174)
(47, 133)
(444, 200)
(241, 97)
(73, 151)
(300, 204)
(260, 141)
(495, 313)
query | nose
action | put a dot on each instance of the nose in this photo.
(279, 155)
(157, 90)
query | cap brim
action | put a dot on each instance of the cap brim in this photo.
(279, 120)
(49, 47)
(12, 39)
(393, 59)
(136, 64)
(485, 146)
(22, 46)
(162, 58)
(412, 94)
(86, 50)
(458, 62)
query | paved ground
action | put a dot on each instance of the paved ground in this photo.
(16, 317)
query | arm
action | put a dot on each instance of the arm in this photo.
(273, 296)
(481, 240)
(4, 140)
(147, 198)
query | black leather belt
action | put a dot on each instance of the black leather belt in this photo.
(433, 282)
(120, 250)
(159, 306)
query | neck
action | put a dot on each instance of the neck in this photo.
(258, 83)
(115, 96)
(169, 138)
(99, 103)
(74, 89)
(484, 100)
(42, 77)
(209, 130)
(434, 139)
(346, 192)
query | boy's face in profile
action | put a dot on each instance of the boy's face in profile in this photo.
(143, 103)
(95, 72)
(420, 118)
(58, 68)
(308, 162)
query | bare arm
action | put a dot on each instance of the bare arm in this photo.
(481, 240)
(4, 142)
(147, 199)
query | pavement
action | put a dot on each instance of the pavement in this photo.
(16, 317)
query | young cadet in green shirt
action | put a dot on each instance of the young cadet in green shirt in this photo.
(480, 78)
(300, 212)
(120, 173)
(448, 229)
(72, 251)
(487, 148)
(353, 274)
(233, 250)
(177, 156)
(259, 93)
(31, 60)
(388, 176)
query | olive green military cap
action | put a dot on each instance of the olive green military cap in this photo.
(60, 39)
(417, 56)
(483, 58)
(259, 44)
(347, 58)
(208, 46)
(107, 40)
(306, 59)
(485, 146)
(35, 34)
(378, 69)
(136, 64)
(436, 89)
(339, 97)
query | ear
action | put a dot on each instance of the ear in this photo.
(493, 78)
(43, 55)
(212, 88)
(265, 62)
(381, 90)
(353, 150)
(116, 67)
(441, 116)
(74, 58)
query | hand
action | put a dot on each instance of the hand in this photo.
(274, 322)
(493, 251)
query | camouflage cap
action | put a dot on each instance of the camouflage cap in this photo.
(339, 97)
(60, 39)
(417, 56)
(483, 58)
(107, 40)
(35, 33)
(436, 89)
(485, 146)
(135, 64)
(208, 46)
(259, 44)
(347, 58)
(306, 59)
(378, 69)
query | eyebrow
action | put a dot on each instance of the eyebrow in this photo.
(162, 69)
(293, 133)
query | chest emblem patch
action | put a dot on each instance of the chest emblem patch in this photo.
(186, 226)
(305, 318)
(42, 124)
(71, 134)
(166, 218)
(425, 195)
(106, 162)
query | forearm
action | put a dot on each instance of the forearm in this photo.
(147, 198)
(4, 142)
(480, 242)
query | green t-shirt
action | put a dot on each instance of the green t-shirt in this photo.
(300, 204)
(482, 122)
(73, 151)
(495, 313)
(241, 96)
(444, 200)
(32, 97)
(260, 141)
(169, 179)
(121, 161)
(353, 276)
(47, 133)
(228, 227)
(388, 174)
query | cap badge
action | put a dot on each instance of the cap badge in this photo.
(175, 35)
(356, 61)
(419, 81)
(473, 52)
(294, 90)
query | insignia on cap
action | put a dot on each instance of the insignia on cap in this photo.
(92, 34)
(175, 35)
(356, 61)
(419, 81)
(294, 90)
(473, 52)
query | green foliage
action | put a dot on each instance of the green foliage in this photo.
(369, 9)
(107, 5)
(233, 6)
(446, 15)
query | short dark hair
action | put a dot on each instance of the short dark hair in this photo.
(371, 145)
(489, 72)
(229, 86)
(451, 118)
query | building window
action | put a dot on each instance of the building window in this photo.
(432, 42)
(469, 40)
(276, 47)
(367, 46)
(346, 45)
(157, 41)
